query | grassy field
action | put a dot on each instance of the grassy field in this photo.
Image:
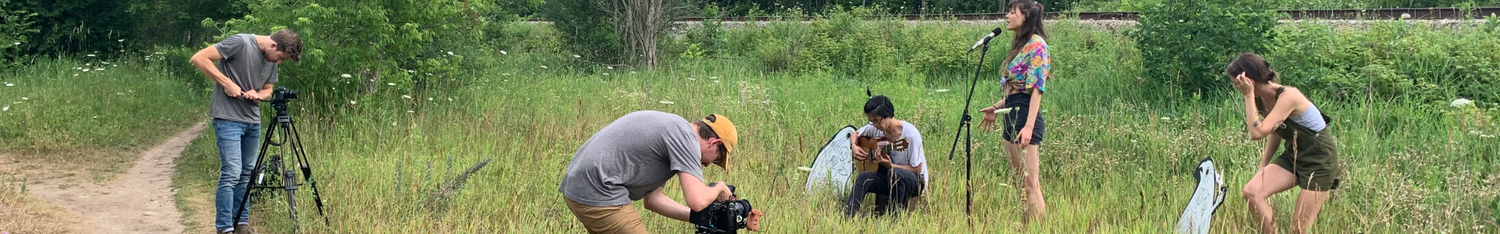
(90, 116)
(1110, 164)
(59, 121)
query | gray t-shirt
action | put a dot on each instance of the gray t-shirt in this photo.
(246, 66)
(631, 157)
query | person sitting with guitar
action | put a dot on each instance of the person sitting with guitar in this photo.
(888, 152)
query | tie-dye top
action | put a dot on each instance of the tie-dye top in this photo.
(1031, 67)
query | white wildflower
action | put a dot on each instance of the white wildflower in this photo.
(610, 67)
(429, 74)
(1179, 21)
(345, 76)
(411, 71)
(503, 52)
(411, 111)
(576, 56)
(1166, 119)
(122, 40)
(450, 53)
(96, 116)
(104, 62)
(6, 108)
(24, 98)
(86, 70)
(544, 67)
(606, 73)
(667, 102)
(113, 65)
(1132, 141)
(98, 69)
(75, 74)
(429, 99)
(77, 68)
(1405, 15)
(451, 99)
(1471, 132)
(941, 90)
(406, 96)
(90, 55)
(353, 102)
(391, 84)
(632, 72)
(8, 84)
(713, 77)
(1461, 103)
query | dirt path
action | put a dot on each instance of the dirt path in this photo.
(141, 201)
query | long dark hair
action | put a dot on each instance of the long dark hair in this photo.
(1032, 25)
(1255, 67)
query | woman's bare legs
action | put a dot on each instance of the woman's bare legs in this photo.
(1271, 179)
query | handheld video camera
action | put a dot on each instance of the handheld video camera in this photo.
(723, 217)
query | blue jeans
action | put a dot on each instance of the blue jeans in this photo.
(237, 155)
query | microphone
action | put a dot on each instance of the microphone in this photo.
(986, 39)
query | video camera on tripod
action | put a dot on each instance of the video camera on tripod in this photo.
(279, 172)
(726, 216)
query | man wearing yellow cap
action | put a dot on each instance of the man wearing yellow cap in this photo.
(633, 157)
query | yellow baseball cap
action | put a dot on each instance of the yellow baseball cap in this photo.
(725, 129)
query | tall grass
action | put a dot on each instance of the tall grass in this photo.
(1119, 154)
(1110, 164)
(91, 114)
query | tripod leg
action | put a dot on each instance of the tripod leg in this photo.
(259, 165)
(291, 196)
(306, 167)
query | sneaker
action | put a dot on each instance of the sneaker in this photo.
(243, 229)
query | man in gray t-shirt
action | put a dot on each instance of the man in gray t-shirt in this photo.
(246, 62)
(633, 157)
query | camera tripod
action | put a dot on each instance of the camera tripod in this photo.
(282, 175)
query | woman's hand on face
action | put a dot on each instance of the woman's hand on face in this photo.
(1244, 84)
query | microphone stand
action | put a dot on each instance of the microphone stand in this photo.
(965, 127)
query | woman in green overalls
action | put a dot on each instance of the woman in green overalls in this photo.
(1310, 159)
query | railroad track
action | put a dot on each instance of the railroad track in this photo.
(1331, 14)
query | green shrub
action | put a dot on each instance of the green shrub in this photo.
(584, 29)
(1186, 43)
(1391, 59)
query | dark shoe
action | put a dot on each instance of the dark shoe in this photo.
(243, 229)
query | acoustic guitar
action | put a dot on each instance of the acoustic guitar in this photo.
(875, 148)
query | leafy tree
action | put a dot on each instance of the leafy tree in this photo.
(353, 47)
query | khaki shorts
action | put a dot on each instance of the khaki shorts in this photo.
(612, 219)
